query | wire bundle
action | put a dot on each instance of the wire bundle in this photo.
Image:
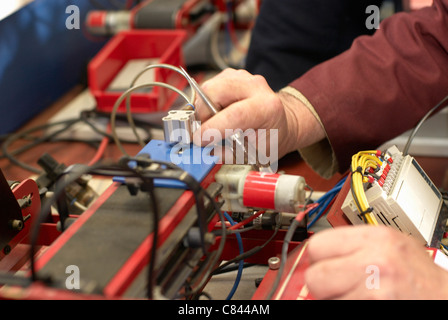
(361, 163)
(241, 262)
(146, 176)
(237, 228)
(324, 203)
(35, 138)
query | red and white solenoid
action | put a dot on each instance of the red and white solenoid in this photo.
(108, 23)
(245, 189)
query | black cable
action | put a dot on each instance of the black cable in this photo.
(196, 188)
(216, 255)
(205, 294)
(17, 136)
(355, 198)
(285, 247)
(34, 141)
(182, 177)
(94, 143)
(71, 175)
(284, 256)
(84, 117)
(41, 218)
(420, 123)
(242, 230)
(153, 253)
(148, 186)
(191, 183)
(235, 267)
(121, 170)
(248, 253)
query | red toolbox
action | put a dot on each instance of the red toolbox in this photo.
(157, 46)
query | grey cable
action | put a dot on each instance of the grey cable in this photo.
(417, 127)
(128, 108)
(125, 95)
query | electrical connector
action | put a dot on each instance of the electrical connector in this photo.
(403, 198)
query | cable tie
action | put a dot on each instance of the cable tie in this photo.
(359, 169)
(368, 210)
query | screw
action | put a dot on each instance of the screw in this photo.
(16, 224)
(274, 263)
(7, 249)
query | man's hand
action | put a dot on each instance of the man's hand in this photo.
(370, 262)
(247, 102)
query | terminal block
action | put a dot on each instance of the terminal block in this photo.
(404, 198)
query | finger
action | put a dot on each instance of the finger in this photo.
(334, 278)
(362, 292)
(342, 241)
(227, 88)
(386, 288)
(239, 116)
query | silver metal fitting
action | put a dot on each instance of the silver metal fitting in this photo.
(274, 263)
(179, 126)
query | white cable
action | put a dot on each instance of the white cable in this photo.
(128, 108)
(125, 95)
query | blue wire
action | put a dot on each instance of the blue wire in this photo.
(322, 209)
(325, 201)
(241, 265)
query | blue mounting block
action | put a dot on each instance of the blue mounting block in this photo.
(195, 160)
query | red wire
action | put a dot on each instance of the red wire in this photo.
(101, 149)
(244, 222)
(299, 216)
(303, 213)
(328, 207)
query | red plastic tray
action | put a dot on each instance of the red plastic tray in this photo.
(163, 45)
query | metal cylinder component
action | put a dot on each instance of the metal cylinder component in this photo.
(179, 126)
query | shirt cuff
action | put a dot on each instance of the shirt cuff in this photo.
(320, 155)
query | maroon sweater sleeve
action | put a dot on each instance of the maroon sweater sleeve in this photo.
(384, 84)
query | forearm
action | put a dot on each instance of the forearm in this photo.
(309, 128)
(312, 142)
(384, 84)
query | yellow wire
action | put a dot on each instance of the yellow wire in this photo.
(363, 160)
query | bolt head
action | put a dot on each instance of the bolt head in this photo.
(274, 263)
